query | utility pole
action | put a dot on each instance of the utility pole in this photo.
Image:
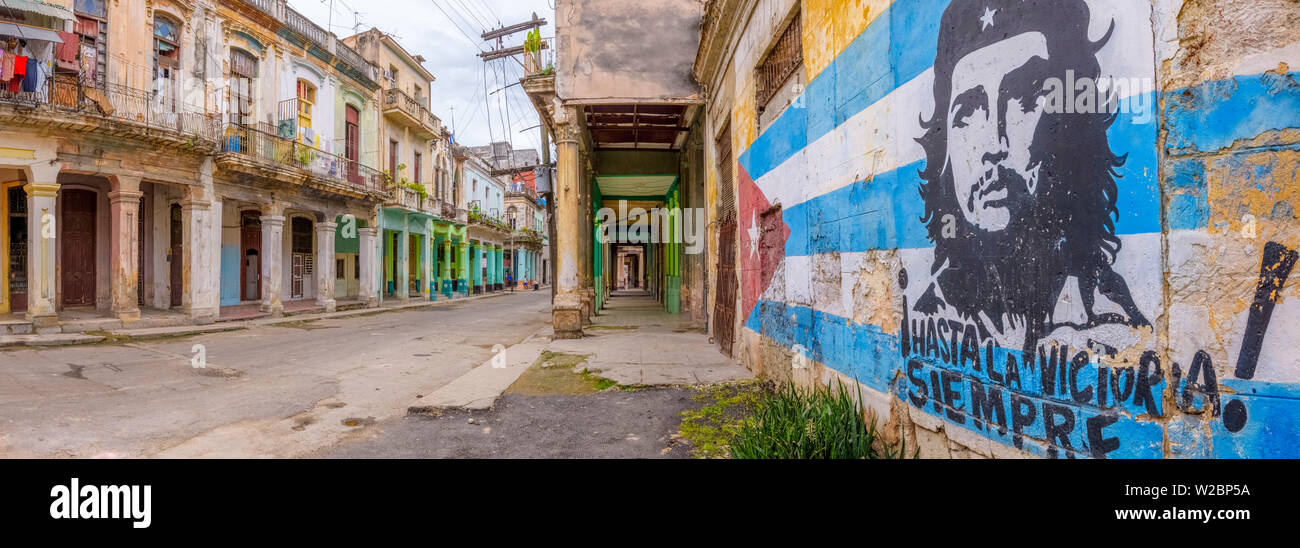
(502, 52)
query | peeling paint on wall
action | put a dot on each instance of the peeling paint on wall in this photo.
(1081, 281)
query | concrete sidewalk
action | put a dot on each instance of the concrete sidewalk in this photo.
(149, 331)
(633, 342)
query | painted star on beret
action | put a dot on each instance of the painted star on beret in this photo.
(987, 19)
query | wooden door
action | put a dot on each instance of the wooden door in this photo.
(78, 253)
(250, 245)
(724, 305)
(352, 143)
(176, 256)
(724, 308)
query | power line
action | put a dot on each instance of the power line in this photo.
(454, 24)
(471, 13)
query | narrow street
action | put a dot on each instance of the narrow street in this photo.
(265, 392)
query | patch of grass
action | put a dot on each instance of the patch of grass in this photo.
(554, 374)
(711, 428)
(613, 327)
(818, 424)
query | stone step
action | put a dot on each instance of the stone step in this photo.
(15, 327)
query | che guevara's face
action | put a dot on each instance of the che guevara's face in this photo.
(998, 100)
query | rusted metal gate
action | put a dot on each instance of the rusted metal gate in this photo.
(724, 306)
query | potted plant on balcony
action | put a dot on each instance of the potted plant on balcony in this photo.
(304, 155)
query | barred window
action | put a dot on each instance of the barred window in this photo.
(785, 58)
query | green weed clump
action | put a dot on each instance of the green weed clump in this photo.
(814, 424)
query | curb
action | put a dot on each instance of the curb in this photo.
(154, 333)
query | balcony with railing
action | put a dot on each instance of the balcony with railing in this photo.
(262, 153)
(68, 102)
(478, 217)
(407, 196)
(317, 40)
(403, 109)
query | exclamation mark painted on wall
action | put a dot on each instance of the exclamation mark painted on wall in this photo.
(1277, 264)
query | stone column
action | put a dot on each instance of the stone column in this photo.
(426, 266)
(586, 270)
(448, 282)
(200, 296)
(273, 259)
(463, 276)
(124, 205)
(566, 310)
(42, 246)
(325, 265)
(369, 285)
(498, 272)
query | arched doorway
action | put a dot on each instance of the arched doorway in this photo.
(77, 256)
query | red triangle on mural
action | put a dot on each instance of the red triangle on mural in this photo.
(762, 234)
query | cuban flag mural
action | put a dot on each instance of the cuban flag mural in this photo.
(990, 212)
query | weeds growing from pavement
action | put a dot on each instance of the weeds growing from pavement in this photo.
(813, 424)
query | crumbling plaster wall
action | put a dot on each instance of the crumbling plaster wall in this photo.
(626, 50)
(843, 281)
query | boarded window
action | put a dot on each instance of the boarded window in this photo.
(781, 62)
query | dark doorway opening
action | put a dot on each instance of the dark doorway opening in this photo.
(78, 253)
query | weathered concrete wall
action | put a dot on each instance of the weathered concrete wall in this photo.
(1058, 228)
(640, 51)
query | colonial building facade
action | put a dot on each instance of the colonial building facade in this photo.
(188, 161)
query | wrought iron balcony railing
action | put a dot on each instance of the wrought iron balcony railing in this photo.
(268, 148)
(137, 111)
(322, 39)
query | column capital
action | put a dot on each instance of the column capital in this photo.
(41, 190)
(326, 226)
(124, 182)
(273, 220)
(119, 196)
(368, 231)
(195, 205)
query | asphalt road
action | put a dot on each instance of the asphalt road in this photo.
(609, 424)
(266, 392)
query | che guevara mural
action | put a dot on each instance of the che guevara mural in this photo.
(987, 229)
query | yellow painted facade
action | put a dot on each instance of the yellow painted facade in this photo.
(830, 25)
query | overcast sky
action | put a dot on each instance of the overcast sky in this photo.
(424, 29)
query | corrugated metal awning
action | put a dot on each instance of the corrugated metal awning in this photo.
(53, 8)
(28, 33)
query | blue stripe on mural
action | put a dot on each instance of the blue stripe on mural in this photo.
(1214, 115)
(872, 357)
(897, 47)
(885, 212)
(864, 352)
